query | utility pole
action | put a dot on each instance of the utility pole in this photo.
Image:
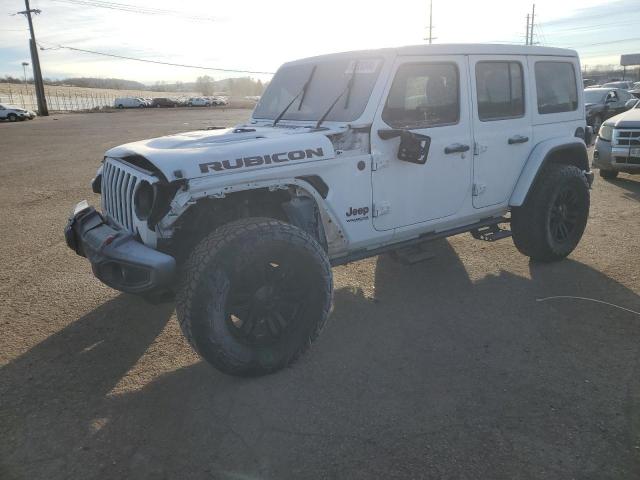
(533, 16)
(24, 70)
(430, 22)
(526, 42)
(43, 111)
(431, 38)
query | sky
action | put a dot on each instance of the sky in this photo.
(260, 35)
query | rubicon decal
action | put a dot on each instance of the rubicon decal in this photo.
(257, 160)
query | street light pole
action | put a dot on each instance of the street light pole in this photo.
(24, 70)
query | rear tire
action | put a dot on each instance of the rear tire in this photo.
(549, 225)
(253, 295)
(12, 117)
(608, 174)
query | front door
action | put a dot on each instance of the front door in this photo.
(427, 96)
(501, 124)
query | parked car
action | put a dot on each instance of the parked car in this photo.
(244, 224)
(218, 101)
(130, 102)
(617, 147)
(602, 103)
(199, 102)
(164, 102)
(623, 84)
(14, 113)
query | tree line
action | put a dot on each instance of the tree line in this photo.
(205, 85)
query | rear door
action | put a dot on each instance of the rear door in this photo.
(427, 96)
(501, 124)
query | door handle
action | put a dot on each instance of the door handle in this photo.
(456, 148)
(518, 139)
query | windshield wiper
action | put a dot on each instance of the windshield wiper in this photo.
(301, 93)
(347, 90)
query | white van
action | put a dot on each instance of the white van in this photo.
(130, 102)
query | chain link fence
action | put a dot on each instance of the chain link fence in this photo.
(70, 99)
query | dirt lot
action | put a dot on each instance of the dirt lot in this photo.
(451, 368)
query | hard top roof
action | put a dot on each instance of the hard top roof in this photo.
(452, 49)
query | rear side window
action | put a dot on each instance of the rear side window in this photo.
(500, 90)
(423, 95)
(556, 87)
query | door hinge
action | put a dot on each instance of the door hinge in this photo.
(381, 208)
(378, 161)
(478, 149)
(478, 189)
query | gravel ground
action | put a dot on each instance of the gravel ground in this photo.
(451, 368)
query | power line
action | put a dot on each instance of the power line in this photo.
(156, 61)
(590, 27)
(605, 43)
(134, 9)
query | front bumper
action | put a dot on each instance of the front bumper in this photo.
(117, 258)
(610, 157)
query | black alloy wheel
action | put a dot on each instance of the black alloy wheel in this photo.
(265, 298)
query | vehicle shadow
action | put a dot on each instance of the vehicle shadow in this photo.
(435, 376)
(631, 185)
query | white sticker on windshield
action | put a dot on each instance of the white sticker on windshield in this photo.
(364, 66)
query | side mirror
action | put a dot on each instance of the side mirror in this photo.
(610, 100)
(414, 147)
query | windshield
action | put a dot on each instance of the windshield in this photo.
(329, 80)
(593, 96)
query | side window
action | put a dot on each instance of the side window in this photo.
(624, 96)
(556, 87)
(423, 95)
(500, 90)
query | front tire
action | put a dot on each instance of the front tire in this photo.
(549, 225)
(254, 295)
(12, 117)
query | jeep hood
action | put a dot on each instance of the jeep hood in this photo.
(227, 151)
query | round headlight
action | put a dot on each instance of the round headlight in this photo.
(143, 200)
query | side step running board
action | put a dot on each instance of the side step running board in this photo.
(490, 233)
(360, 254)
(414, 253)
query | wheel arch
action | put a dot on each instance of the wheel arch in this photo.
(563, 150)
(298, 201)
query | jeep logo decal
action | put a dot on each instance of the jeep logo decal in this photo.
(261, 160)
(357, 214)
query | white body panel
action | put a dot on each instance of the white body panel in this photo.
(496, 162)
(417, 193)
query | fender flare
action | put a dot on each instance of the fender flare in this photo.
(298, 212)
(569, 150)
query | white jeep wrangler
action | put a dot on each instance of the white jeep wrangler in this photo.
(346, 156)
